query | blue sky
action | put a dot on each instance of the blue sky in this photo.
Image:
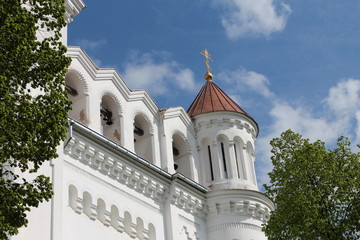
(289, 64)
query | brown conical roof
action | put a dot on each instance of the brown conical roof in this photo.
(211, 99)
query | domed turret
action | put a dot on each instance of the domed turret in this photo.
(225, 136)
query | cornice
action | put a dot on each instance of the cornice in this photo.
(179, 112)
(247, 122)
(73, 8)
(230, 122)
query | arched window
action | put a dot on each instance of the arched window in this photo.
(208, 161)
(239, 157)
(143, 139)
(181, 156)
(76, 94)
(250, 153)
(110, 118)
(223, 151)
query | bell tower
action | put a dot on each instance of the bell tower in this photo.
(225, 136)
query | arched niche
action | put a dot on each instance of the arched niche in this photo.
(250, 161)
(87, 205)
(110, 118)
(143, 137)
(77, 90)
(73, 195)
(240, 158)
(114, 218)
(128, 223)
(139, 228)
(152, 232)
(182, 155)
(223, 150)
(101, 209)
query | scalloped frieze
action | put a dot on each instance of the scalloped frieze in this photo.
(226, 122)
(243, 208)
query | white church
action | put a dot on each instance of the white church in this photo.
(131, 170)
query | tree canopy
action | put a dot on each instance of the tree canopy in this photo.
(33, 103)
(316, 190)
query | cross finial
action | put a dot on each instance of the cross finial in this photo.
(207, 55)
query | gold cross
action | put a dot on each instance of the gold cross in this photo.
(207, 55)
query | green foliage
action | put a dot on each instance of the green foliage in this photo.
(316, 191)
(33, 103)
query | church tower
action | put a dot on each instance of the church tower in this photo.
(225, 137)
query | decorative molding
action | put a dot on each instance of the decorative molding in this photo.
(233, 225)
(180, 113)
(115, 169)
(138, 112)
(110, 74)
(182, 136)
(190, 222)
(242, 208)
(73, 8)
(108, 218)
(227, 122)
(112, 95)
(190, 235)
(188, 202)
(81, 77)
(110, 186)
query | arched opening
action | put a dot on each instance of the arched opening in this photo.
(208, 160)
(239, 158)
(143, 138)
(110, 118)
(224, 158)
(250, 155)
(181, 156)
(76, 94)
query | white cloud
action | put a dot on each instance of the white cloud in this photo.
(90, 45)
(253, 17)
(357, 130)
(240, 77)
(299, 119)
(340, 115)
(344, 98)
(157, 73)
